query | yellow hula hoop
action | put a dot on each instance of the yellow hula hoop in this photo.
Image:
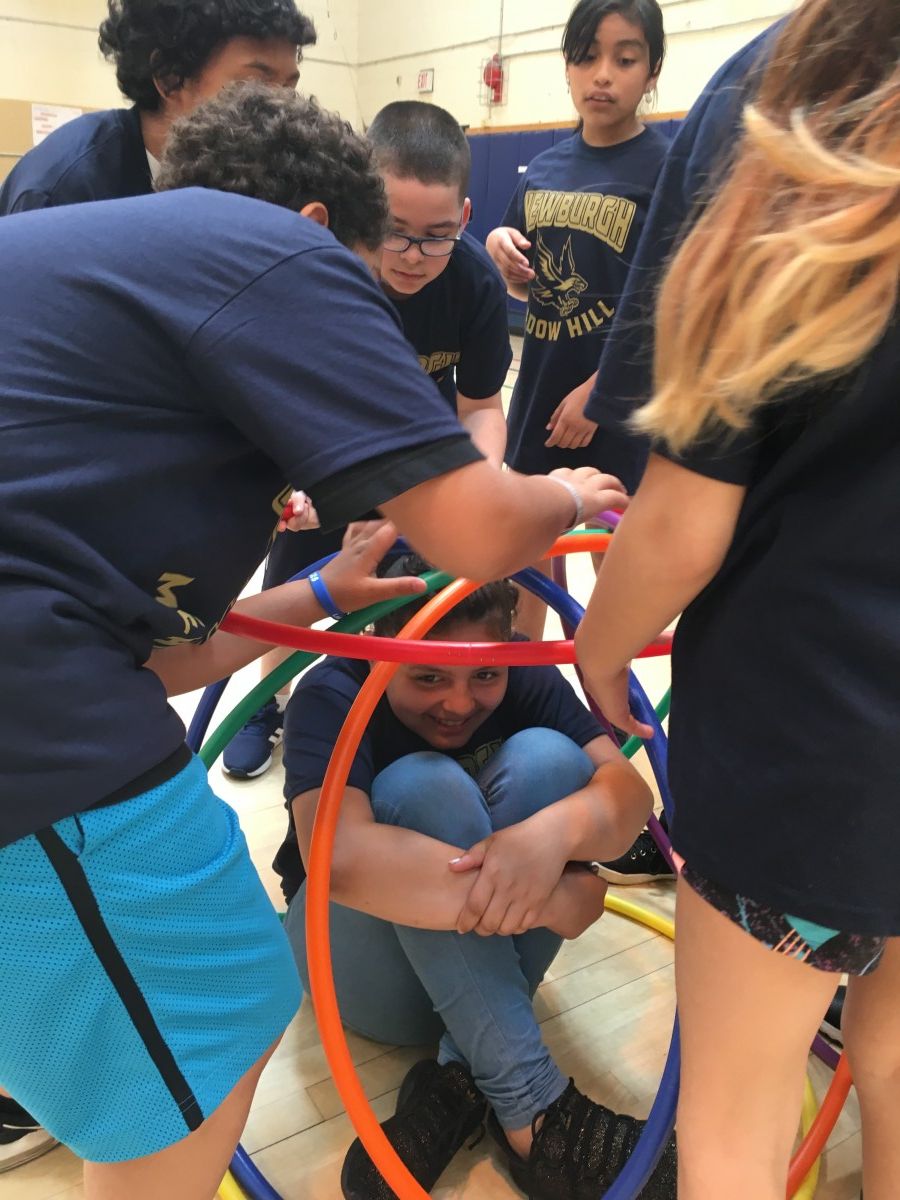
(643, 916)
(229, 1190)
(666, 926)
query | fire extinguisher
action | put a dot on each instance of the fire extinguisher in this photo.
(493, 79)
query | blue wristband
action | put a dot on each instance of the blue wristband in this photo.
(324, 597)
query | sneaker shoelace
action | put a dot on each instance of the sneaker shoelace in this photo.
(261, 719)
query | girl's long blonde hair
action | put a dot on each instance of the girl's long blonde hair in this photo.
(792, 271)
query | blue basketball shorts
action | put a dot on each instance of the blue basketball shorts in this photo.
(144, 970)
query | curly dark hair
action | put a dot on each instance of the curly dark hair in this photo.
(173, 40)
(278, 146)
(494, 602)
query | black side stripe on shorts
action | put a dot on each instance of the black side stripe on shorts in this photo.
(78, 889)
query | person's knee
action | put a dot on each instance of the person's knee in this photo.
(431, 794)
(873, 1057)
(546, 761)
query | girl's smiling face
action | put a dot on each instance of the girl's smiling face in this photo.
(446, 705)
(608, 85)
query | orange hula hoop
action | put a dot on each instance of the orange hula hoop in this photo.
(318, 887)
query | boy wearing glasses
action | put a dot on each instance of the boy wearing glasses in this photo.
(452, 303)
(446, 288)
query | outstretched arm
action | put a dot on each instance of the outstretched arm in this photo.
(484, 524)
(350, 580)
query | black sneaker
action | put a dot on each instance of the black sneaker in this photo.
(438, 1108)
(643, 863)
(831, 1026)
(579, 1150)
(22, 1138)
(249, 753)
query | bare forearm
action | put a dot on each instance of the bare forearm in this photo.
(480, 522)
(637, 595)
(399, 875)
(600, 821)
(184, 668)
(487, 429)
(670, 544)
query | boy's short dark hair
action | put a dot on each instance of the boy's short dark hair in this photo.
(275, 145)
(173, 40)
(494, 602)
(414, 140)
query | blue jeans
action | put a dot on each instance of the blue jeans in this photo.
(408, 986)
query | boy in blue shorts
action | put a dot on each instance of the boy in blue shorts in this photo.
(171, 421)
(116, 153)
(452, 303)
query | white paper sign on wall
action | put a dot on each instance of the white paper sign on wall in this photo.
(426, 80)
(47, 117)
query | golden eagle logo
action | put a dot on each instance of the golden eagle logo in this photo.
(167, 586)
(556, 284)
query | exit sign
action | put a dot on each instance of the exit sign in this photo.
(426, 80)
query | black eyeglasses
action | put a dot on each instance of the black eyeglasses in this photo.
(431, 247)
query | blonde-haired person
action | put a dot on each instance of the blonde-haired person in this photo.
(766, 512)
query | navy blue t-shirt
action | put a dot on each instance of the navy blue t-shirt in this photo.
(785, 722)
(582, 208)
(100, 156)
(700, 152)
(536, 698)
(785, 711)
(171, 365)
(458, 325)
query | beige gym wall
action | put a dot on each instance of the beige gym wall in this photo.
(400, 38)
(49, 55)
(371, 51)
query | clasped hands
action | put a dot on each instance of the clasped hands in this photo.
(524, 880)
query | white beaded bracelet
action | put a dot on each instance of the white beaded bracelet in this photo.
(576, 496)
